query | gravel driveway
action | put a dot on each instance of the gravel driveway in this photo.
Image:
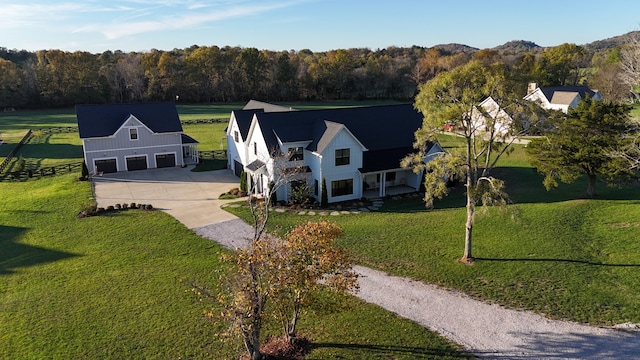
(486, 330)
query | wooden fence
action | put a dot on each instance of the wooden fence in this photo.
(215, 154)
(41, 172)
(13, 152)
(59, 130)
(203, 121)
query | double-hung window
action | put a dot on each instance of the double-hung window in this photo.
(133, 133)
(343, 157)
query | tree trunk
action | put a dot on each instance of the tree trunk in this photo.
(591, 185)
(471, 209)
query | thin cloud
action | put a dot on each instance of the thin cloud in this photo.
(116, 30)
(18, 15)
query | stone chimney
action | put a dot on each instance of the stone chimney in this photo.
(532, 87)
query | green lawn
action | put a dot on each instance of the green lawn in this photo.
(552, 252)
(117, 286)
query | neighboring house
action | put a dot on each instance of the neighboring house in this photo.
(356, 151)
(560, 97)
(489, 114)
(126, 137)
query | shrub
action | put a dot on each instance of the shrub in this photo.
(85, 172)
(243, 181)
(148, 207)
(100, 210)
(110, 208)
(133, 205)
(125, 206)
(324, 201)
(118, 207)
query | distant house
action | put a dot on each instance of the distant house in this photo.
(560, 97)
(356, 151)
(488, 114)
(126, 137)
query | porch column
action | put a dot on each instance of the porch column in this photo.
(383, 184)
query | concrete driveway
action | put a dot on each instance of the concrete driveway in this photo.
(190, 197)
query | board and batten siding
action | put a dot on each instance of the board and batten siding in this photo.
(331, 172)
(236, 150)
(120, 146)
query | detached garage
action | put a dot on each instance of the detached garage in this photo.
(128, 137)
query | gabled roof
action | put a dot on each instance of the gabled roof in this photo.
(561, 94)
(105, 119)
(243, 119)
(376, 127)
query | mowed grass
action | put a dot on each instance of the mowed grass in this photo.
(552, 252)
(118, 286)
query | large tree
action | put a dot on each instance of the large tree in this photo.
(453, 98)
(579, 143)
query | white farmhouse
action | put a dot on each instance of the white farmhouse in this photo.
(355, 151)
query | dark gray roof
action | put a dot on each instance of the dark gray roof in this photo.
(186, 139)
(105, 119)
(376, 127)
(243, 119)
(582, 90)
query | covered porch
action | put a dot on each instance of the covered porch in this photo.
(389, 183)
(189, 150)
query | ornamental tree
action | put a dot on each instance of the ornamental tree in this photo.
(453, 98)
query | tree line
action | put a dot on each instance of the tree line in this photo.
(199, 74)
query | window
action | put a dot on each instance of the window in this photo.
(390, 176)
(342, 157)
(236, 137)
(342, 187)
(296, 154)
(133, 133)
(255, 148)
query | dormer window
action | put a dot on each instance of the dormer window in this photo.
(296, 154)
(133, 133)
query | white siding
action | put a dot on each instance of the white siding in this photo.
(235, 150)
(331, 172)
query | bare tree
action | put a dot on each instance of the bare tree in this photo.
(630, 64)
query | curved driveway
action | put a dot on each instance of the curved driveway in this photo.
(486, 330)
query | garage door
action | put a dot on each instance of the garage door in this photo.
(165, 160)
(106, 166)
(137, 163)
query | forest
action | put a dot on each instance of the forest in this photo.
(204, 74)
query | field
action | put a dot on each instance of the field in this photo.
(119, 285)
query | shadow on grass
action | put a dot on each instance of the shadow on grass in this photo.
(376, 351)
(15, 255)
(585, 262)
(524, 186)
(210, 165)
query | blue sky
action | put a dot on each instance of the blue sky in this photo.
(318, 25)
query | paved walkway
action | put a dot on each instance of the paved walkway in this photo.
(486, 330)
(191, 197)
